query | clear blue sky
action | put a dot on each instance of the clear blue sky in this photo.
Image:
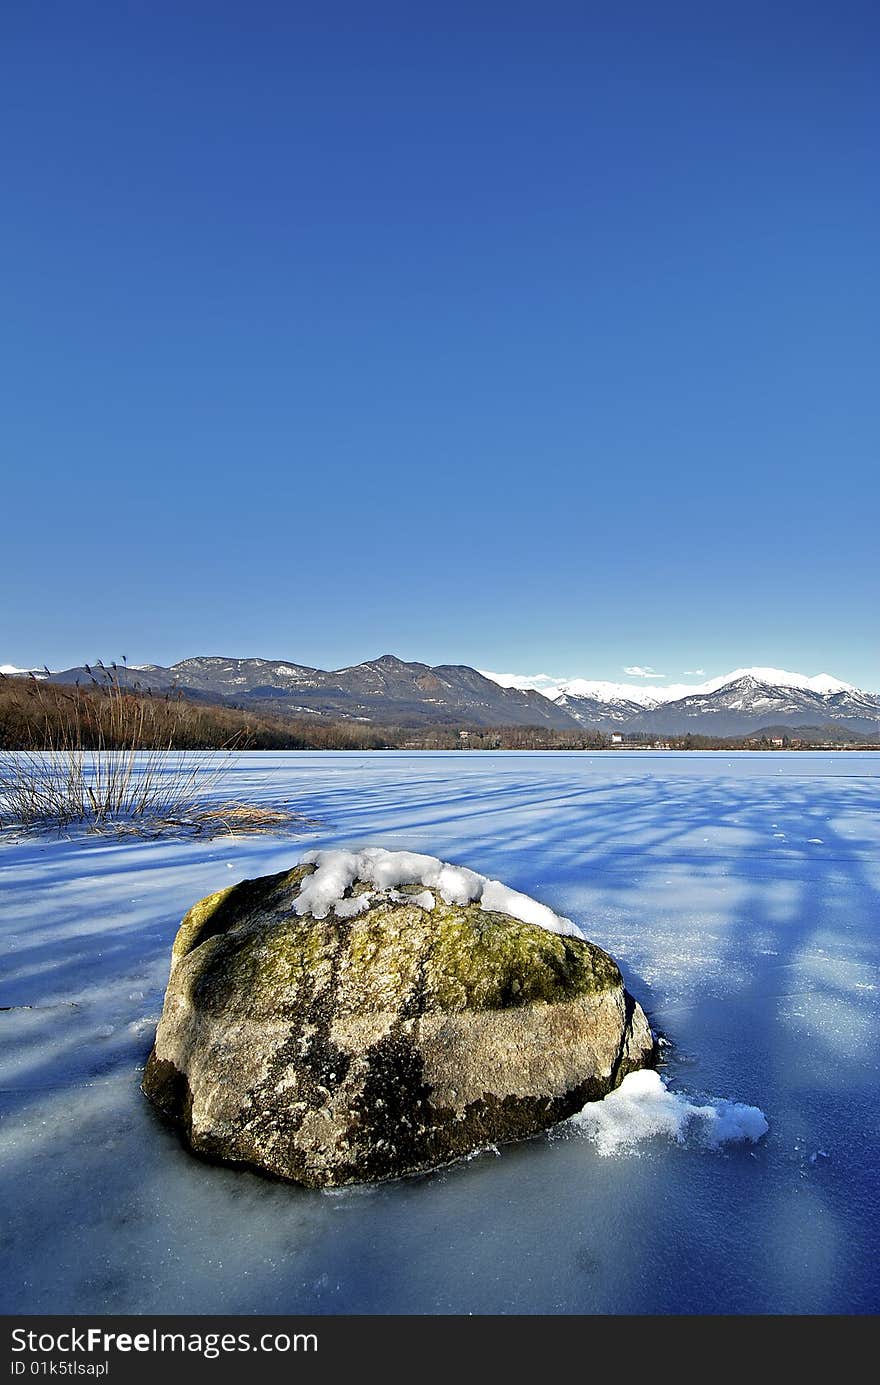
(541, 337)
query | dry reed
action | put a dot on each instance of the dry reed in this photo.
(103, 766)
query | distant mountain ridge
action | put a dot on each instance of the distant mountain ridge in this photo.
(388, 690)
(646, 695)
(743, 704)
(394, 691)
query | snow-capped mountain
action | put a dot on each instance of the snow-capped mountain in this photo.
(748, 703)
(734, 703)
(822, 683)
(394, 691)
(599, 714)
(616, 694)
(743, 701)
(648, 695)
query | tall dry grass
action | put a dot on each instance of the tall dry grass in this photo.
(101, 757)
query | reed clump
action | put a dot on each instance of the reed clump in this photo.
(108, 756)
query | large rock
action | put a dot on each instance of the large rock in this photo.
(385, 1037)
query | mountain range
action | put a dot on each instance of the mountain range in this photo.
(744, 702)
(392, 691)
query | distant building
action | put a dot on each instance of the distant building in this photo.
(616, 738)
(777, 741)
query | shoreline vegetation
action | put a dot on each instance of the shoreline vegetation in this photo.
(104, 715)
(106, 760)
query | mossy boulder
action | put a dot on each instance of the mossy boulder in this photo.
(338, 1050)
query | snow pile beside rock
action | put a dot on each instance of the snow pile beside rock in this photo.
(643, 1106)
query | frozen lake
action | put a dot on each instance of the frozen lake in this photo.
(740, 895)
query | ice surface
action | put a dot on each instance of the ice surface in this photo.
(756, 956)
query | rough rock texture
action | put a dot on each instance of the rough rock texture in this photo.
(333, 1051)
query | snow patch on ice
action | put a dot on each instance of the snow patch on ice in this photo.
(643, 1106)
(336, 872)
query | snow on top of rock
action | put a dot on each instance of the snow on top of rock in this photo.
(336, 871)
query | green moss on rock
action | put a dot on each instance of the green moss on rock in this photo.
(226, 908)
(481, 960)
(458, 957)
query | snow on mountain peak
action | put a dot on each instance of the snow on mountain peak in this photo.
(600, 690)
(527, 682)
(822, 683)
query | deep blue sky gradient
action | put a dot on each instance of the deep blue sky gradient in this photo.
(541, 337)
